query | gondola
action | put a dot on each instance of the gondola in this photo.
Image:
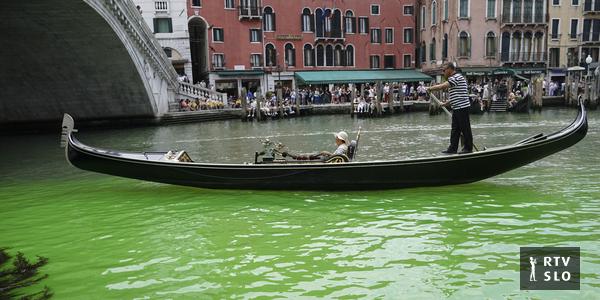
(177, 167)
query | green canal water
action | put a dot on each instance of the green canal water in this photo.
(114, 238)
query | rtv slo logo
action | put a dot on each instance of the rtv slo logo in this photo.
(549, 268)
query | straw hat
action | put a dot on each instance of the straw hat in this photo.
(342, 135)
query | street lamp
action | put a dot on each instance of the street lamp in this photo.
(588, 61)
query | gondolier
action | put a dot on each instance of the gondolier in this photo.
(458, 99)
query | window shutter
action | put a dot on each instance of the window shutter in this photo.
(302, 22)
(274, 27)
(170, 26)
(312, 22)
(293, 57)
(354, 25)
(367, 25)
(155, 25)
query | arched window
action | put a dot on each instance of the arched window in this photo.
(527, 44)
(432, 55)
(268, 19)
(336, 23)
(490, 44)
(516, 46)
(309, 56)
(290, 55)
(464, 44)
(329, 55)
(350, 56)
(327, 22)
(446, 10)
(319, 17)
(349, 22)
(504, 55)
(445, 47)
(320, 56)
(433, 12)
(423, 17)
(538, 42)
(338, 56)
(270, 55)
(307, 20)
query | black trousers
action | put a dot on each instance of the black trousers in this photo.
(461, 123)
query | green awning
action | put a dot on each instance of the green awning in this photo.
(476, 71)
(230, 73)
(360, 76)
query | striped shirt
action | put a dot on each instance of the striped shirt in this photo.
(457, 93)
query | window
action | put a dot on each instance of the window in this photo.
(445, 47)
(218, 35)
(229, 4)
(374, 61)
(423, 18)
(349, 23)
(516, 15)
(409, 10)
(309, 56)
(432, 54)
(433, 13)
(574, 23)
(528, 15)
(446, 10)
(407, 61)
(555, 24)
(168, 52)
(338, 59)
(423, 52)
(320, 56)
(408, 35)
(268, 19)
(490, 44)
(163, 25)
(389, 61)
(491, 9)
(363, 25)
(575, 2)
(376, 36)
(374, 9)
(539, 11)
(270, 55)
(196, 3)
(350, 56)
(255, 35)
(389, 35)
(218, 60)
(255, 60)
(290, 55)
(554, 57)
(464, 9)
(464, 44)
(307, 23)
(555, 2)
(329, 56)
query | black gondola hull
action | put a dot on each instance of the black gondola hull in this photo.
(435, 171)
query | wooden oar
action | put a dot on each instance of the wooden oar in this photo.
(432, 96)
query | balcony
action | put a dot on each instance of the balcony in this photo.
(250, 12)
(161, 6)
(523, 20)
(330, 37)
(523, 57)
(592, 37)
(590, 7)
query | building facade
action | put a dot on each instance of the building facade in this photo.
(248, 44)
(565, 32)
(465, 32)
(170, 28)
(590, 37)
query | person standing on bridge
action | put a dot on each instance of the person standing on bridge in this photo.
(458, 99)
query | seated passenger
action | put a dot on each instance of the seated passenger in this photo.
(342, 142)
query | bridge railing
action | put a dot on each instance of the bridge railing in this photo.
(195, 91)
(139, 32)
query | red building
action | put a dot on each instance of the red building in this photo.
(251, 43)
